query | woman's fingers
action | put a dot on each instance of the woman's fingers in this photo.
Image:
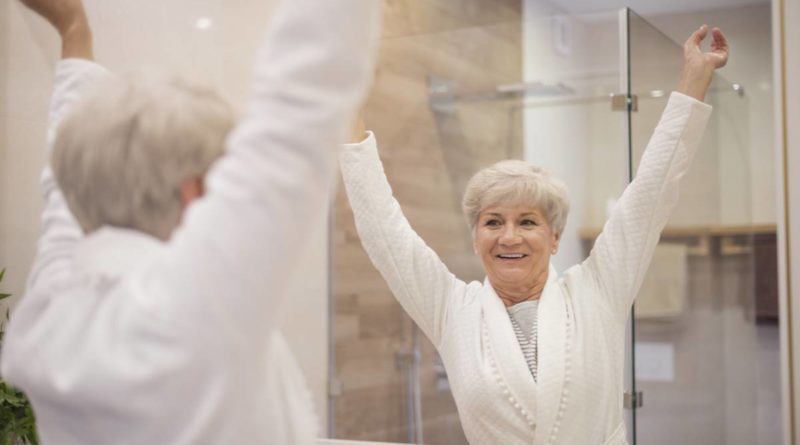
(697, 37)
(699, 66)
(718, 42)
(718, 56)
(719, 48)
(719, 37)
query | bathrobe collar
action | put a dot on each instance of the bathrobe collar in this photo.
(112, 251)
(553, 360)
(509, 362)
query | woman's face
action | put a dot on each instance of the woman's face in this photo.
(514, 244)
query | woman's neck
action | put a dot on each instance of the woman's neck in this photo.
(511, 295)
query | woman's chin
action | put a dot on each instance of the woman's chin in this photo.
(511, 278)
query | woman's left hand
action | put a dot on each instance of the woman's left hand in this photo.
(68, 17)
(698, 67)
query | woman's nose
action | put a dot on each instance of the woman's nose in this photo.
(509, 236)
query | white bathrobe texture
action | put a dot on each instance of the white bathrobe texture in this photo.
(582, 314)
(124, 339)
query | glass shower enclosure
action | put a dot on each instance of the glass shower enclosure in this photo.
(579, 95)
(704, 362)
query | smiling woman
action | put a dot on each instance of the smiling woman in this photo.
(514, 245)
(533, 357)
(517, 213)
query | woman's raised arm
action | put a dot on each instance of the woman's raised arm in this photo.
(417, 277)
(623, 251)
(76, 75)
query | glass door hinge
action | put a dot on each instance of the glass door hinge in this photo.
(621, 102)
(633, 400)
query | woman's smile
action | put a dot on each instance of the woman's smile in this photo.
(512, 258)
(514, 243)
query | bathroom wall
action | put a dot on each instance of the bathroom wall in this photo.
(428, 156)
(208, 40)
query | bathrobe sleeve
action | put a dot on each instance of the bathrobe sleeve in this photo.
(228, 263)
(60, 232)
(417, 277)
(622, 253)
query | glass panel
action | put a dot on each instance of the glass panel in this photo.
(703, 336)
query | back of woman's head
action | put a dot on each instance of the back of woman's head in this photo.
(122, 154)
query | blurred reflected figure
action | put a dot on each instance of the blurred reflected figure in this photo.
(151, 311)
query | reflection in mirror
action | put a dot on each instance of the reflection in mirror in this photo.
(535, 353)
(547, 102)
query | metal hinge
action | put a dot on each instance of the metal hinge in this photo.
(621, 102)
(633, 400)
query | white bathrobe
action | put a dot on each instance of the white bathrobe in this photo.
(124, 339)
(582, 314)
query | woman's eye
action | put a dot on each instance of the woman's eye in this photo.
(528, 222)
(492, 222)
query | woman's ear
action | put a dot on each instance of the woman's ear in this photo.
(555, 241)
(190, 190)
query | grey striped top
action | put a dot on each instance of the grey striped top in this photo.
(523, 319)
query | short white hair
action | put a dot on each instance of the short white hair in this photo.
(122, 154)
(515, 182)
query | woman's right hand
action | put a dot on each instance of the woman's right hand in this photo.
(69, 19)
(699, 67)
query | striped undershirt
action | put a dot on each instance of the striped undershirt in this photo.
(523, 320)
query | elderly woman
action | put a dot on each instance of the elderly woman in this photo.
(152, 308)
(533, 357)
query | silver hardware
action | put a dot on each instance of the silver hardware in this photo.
(633, 400)
(621, 102)
(444, 93)
(440, 98)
